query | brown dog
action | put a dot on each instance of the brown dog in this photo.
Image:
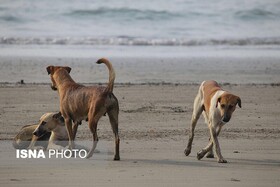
(217, 106)
(78, 102)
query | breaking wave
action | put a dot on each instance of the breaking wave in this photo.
(128, 13)
(138, 41)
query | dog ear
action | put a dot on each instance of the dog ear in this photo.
(218, 100)
(50, 69)
(239, 101)
(59, 117)
(68, 69)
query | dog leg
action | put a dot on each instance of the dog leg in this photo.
(55, 147)
(113, 116)
(93, 127)
(210, 153)
(214, 138)
(92, 122)
(197, 110)
(203, 151)
(209, 148)
(68, 123)
(33, 142)
(75, 128)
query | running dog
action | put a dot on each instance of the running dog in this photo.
(78, 102)
(217, 106)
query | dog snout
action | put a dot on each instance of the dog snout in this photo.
(38, 133)
(53, 87)
(226, 118)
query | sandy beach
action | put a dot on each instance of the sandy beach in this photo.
(161, 52)
(154, 123)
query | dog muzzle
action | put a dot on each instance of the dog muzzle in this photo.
(39, 133)
(53, 87)
(225, 119)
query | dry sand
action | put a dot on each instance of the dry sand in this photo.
(153, 123)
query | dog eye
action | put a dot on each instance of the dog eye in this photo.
(222, 105)
(230, 106)
(43, 123)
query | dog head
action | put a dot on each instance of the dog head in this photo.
(48, 122)
(52, 70)
(227, 104)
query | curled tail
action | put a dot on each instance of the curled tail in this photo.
(112, 74)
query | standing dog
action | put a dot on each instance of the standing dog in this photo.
(217, 106)
(78, 102)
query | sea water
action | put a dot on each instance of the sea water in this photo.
(178, 41)
(144, 23)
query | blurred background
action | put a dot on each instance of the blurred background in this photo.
(146, 22)
(179, 41)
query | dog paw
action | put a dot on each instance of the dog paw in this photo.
(117, 157)
(187, 152)
(36, 148)
(70, 147)
(89, 155)
(56, 147)
(210, 155)
(200, 155)
(222, 160)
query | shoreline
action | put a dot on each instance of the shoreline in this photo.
(19, 84)
(148, 70)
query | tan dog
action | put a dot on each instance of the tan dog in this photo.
(217, 106)
(78, 102)
(54, 123)
(23, 138)
(40, 134)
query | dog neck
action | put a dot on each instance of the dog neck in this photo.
(60, 132)
(62, 78)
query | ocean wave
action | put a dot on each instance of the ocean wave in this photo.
(256, 13)
(139, 41)
(144, 22)
(122, 12)
(11, 18)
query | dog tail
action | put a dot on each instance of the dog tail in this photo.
(112, 74)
